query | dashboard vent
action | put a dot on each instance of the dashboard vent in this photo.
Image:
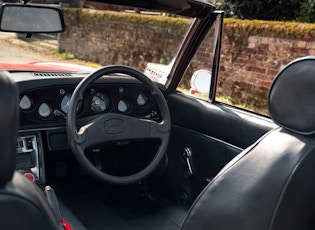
(52, 74)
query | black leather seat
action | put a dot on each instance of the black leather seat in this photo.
(271, 184)
(22, 204)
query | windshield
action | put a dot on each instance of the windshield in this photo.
(145, 40)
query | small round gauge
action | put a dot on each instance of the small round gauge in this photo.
(123, 106)
(26, 102)
(142, 99)
(65, 102)
(44, 110)
(99, 102)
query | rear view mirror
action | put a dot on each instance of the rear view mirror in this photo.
(31, 19)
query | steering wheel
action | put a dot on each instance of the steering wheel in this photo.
(110, 127)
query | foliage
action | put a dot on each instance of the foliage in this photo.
(307, 11)
(280, 10)
(266, 10)
(240, 29)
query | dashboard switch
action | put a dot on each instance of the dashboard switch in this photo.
(30, 176)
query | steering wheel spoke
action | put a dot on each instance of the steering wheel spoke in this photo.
(158, 130)
(83, 139)
(116, 127)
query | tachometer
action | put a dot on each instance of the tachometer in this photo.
(99, 102)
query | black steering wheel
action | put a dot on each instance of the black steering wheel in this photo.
(110, 127)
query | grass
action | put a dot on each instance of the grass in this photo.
(67, 56)
(229, 101)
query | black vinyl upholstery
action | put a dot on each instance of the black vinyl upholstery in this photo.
(8, 127)
(22, 204)
(266, 187)
(291, 99)
(270, 185)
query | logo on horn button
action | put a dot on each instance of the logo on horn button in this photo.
(114, 126)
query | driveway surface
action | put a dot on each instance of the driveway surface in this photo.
(17, 51)
(39, 48)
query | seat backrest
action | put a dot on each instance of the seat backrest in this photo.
(8, 127)
(270, 185)
(22, 204)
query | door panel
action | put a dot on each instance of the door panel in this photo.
(237, 127)
(214, 133)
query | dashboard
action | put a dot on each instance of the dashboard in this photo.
(44, 102)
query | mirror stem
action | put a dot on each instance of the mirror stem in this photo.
(24, 2)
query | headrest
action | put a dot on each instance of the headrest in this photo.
(8, 126)
(292, 96)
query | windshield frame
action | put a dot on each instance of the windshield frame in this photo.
(194, 37)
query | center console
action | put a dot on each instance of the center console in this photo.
(29, 157)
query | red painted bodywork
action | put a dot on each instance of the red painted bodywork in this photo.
(46, 66)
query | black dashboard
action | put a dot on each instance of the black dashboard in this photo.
(44, 98)
(44, 101)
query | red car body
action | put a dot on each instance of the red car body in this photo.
(46, 66)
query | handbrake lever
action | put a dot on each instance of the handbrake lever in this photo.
(52, 200)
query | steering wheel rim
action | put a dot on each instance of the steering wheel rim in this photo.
(115, 126)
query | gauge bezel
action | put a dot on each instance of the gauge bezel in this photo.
(66, 99)
(104, 99)
(29, 98)
(40, 110)
(145, 98)
(125, 103)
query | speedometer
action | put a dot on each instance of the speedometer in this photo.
(99, 102)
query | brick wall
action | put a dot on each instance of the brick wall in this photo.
(128, 39)
(251, 60)
(252, 53)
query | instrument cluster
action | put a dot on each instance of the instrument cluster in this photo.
(52, 103)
